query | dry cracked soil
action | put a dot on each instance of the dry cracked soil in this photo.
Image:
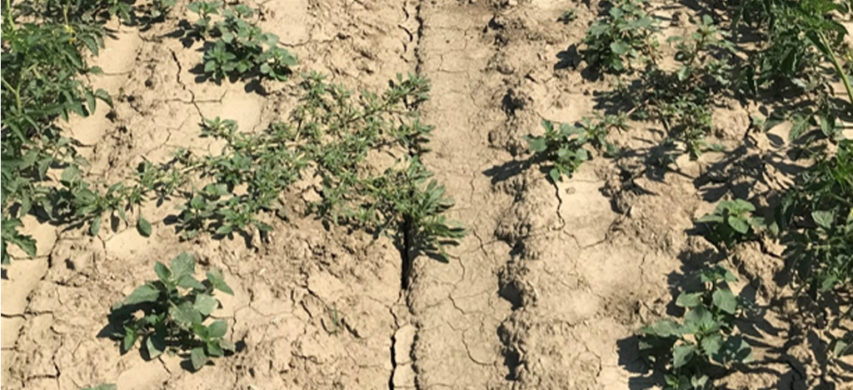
(546, 290)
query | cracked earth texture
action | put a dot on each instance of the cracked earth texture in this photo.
(545, 292)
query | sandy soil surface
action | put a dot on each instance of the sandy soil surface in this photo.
(545, 292)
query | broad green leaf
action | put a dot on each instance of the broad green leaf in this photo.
(823, 219)
(739, 224)
(217, 329)
(689, 299)
(734, 349)
(681, 355)
(198, 358)
(95, 225)
(183, 264)
(214, 349)
(155, 345)
(185, 314)
(129, 339)
(205, 304)
(188, 281)
(663, 328)
(162, 272)
(711, 344)
(725, 300)
(537, 144)
(143, 226)
(216, 279)
(142, 294)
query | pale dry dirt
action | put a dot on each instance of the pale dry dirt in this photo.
(545, 292)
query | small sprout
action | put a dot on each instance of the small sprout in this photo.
(568, 16)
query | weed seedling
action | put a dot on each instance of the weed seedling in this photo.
(623, 40)
(704, 341)
(732, 222)
(565, 146)
(170, 314)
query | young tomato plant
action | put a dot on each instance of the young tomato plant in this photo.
(170, 314)
(565, 146)
(704, 342)
(732, 221)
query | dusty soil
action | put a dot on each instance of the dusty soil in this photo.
(545, 292)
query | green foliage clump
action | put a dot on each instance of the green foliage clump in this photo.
(623, 40)
(690, 351)
(169, 314)
(732, 221)
(565, 146)
(240, 49)
(818, 217)
(44, 53)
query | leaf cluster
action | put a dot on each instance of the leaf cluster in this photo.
(170, 313)
(240, 48)
(622, 40)
(565, 147)
(703, 341)
(732, 221)
(817, 215)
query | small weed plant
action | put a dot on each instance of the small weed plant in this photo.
(818, 217)
(733, 221)
(171, 313)
(622, 40)
(704, 342)
(564, 146)
(239, 48)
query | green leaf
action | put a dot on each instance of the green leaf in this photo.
(681, 355)
(739, 224)
(198, 358)
(188, 281)
(205, 304)
(823, 219)
(183, 264)
(155, 345)
(95, 225)
(217, 329)
(142, 294)
(663, 328)
(725, 300)
(216, 279)
(143, 226)
(689, 299)
(162, 272)
(129, 339)
(711, 344)
(185, 315)
(537, 144)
